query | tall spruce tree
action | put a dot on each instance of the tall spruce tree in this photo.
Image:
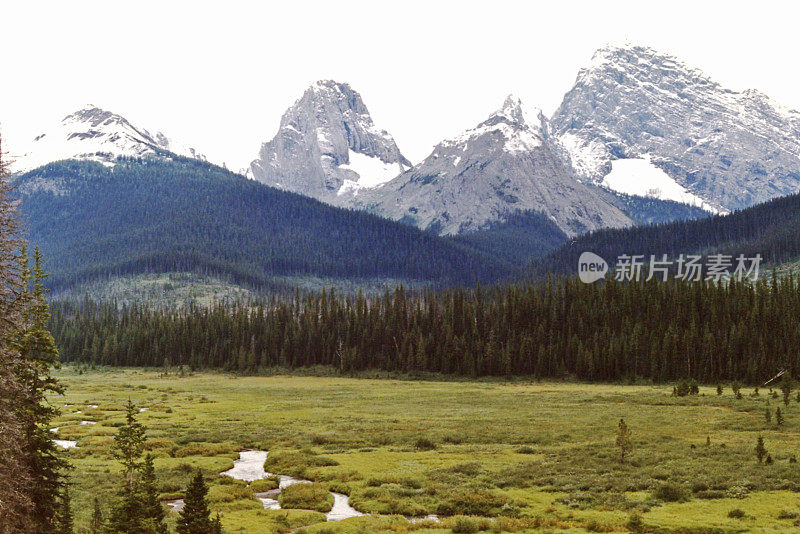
(40, 355)
(16, 506)
(786, 387)
(96, 524)
(152, 509)
(132, 514)
(64, 519)
(195, 518)
(129, 444)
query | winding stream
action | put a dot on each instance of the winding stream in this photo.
(250, 467)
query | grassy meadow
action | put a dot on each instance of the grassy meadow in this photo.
(484, 456)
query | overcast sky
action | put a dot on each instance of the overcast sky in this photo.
(219, 75)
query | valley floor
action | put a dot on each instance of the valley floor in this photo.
(515, 457)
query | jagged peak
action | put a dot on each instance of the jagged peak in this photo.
(521, 129)
(514, 112)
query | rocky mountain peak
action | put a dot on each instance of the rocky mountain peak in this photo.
(689, 138)
(328, 147)
(502, 166)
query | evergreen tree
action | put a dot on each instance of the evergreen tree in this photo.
(195, 518)
(768, 415)
(761, 450)
(216, 525)
(64, 519)
(16, 508)
(786, 387)
(624, 442)
(152, 510)
(127, 516)
(133, 513)
(778, 417)
(129, 444)
(38, 350)
(96, 525)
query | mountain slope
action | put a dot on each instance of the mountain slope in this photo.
(98, 135)
(769, 229)
(328, 148)
(171, 214)
(640, 121)
(502, 166)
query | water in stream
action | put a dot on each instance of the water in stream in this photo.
(250, 467)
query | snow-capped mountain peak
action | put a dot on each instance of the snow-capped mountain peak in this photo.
(92, 133)
(328, 147)
(518, 130)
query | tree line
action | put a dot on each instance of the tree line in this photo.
(608, 331)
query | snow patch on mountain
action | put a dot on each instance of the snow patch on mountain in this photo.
(641, 177)
(94, 134)
(371, 172)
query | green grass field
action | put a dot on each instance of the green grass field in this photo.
(515, 457)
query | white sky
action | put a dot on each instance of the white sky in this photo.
(219, 75)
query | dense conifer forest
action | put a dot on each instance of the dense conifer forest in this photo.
(769, 229)
(608, 331)
(151, 216)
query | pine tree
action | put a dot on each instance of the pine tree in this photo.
(761, 451)
(16, 508)
(778, 417)
(38, 350)
(152, 510)
(786, 387)
(96, 525)
(129, 444)
(64, 520)
(129, 516)
(216, 525)
(768, 415)
(624, 442)
(195, 518)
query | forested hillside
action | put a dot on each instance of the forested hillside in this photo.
(769, 229)
(602, 332)
(178, 214)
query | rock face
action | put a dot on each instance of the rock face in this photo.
(725, 148)
(504, 165)
(327, 147)
(95, 134)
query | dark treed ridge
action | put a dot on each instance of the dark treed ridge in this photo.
(155, 216)
(769, 229)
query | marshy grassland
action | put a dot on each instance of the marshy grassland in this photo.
(483, 456)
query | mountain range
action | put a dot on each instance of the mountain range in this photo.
(641, 138)
(637, 123)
